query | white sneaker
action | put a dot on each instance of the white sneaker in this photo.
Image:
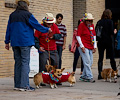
(27, 89)
(16, 89)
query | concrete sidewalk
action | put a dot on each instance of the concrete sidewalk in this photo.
(81, 91)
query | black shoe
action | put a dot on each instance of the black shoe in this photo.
(118, 94)
(118, 75)
(99, 77)
(58, 83)
(42, 84)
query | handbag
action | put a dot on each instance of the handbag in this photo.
(73, 46)
(98, 30)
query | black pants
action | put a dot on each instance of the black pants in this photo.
(110, 51)
(59, 49)
(76, 57)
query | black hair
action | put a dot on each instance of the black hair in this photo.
(59, 15)
(22, 5)
(79, 21)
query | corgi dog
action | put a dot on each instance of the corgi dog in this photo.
(109, 74)
(53, 77)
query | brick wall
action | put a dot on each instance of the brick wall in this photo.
(79, 8)
(6, 57)
(38, 8)
(72, 10)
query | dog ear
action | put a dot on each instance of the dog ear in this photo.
(117, 70)
(111, 70)
(62, 69)
(54, 70)
(73, 73)
(46, 66)
(55, 66)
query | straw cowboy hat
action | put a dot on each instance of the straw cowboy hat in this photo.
(49, 18)
(27, 1)
(88, 16)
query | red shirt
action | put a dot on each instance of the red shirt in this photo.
(84, 33)
(45, 36)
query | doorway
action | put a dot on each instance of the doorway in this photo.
(114, 6)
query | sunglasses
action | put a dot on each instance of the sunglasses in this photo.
(49, 23)
(89, 20)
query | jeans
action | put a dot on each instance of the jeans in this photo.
(87, 58)
(21, 67)
(59, 49)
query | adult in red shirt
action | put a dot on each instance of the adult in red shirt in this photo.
(86, 37)
(46, 43)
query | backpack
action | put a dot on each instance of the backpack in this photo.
(98, 30)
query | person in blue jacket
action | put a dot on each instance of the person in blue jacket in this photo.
(118, 42)
(20, 34)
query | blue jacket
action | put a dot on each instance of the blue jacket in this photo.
(20, 28)
(118, 39)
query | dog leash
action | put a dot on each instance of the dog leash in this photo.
(48, 40)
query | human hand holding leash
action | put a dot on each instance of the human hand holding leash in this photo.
(41, 49)
(50, 35)
(50, 31)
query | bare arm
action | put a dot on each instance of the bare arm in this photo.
(64, 43)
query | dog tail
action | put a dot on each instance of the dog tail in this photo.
(110, 72)
(37, 79)
(102, 75)
(34, 79)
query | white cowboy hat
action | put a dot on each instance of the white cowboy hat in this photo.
(27, 1)
(49, 18)
(88, 16)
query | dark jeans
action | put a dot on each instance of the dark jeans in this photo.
(21, 67)
(76, 57)
(43, 57)
(59, 49)
(110, 51)
(119, 53)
